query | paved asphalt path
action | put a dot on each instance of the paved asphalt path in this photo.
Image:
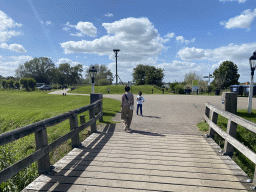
(174, 113)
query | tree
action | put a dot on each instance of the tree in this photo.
(193, 76)
(68, 74)
(226, 75)
(40, 69)
(145, 74)
(102, 73)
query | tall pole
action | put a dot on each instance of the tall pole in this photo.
(249, 110)
(92, 84)
(116, 51)
(116, 67)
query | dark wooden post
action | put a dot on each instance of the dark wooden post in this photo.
(42, 141)
(214, 118)
(101, 110)
(73, 125)
(207, 112)
(231, 130)
(82, 119)
(92, 116)
(254, 178)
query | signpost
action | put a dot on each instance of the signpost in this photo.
(210, 76)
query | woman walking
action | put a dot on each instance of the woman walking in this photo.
(140, 100)
(127, 107)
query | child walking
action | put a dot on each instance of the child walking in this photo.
(140, 100)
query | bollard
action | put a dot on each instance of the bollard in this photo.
(152, 91)
(229, 101)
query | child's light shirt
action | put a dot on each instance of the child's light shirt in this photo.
(140, 99)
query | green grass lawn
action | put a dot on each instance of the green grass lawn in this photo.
(243, 135)
(20, 108)
(118, 89)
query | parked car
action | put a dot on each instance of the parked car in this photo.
(45, 87)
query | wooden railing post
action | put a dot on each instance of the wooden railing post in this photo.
(207, 111)
(42, 141)
(92, 116)
(214, 118)
(231, 130)
(101, 110)
(254, 177)
(73, 125)
(82, 119)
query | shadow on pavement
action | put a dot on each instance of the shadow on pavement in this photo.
(145, 133)
(153, 117)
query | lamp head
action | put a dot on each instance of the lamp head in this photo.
(253, 60)
(116, 50)
(92, 72)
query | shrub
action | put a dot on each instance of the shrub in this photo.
(32, 83)
(21, 179)
(28, 83)
(179, 89)
(102, 82)
(10, 83)
(3, 83)
(17, 84)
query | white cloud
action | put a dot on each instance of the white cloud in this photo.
(13, 47)
(109, 15)
(181, 39)
(239, 1)
(6, 24)
(48, 23)
(242, 21)
(137, 39)
(22, 58)
(169, 35)
(85, 28)
(234, 53)
(66, 60)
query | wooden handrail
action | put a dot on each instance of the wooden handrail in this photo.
(42, 147)
(229, 136)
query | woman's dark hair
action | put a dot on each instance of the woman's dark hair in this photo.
(140, 93)
(127, 88)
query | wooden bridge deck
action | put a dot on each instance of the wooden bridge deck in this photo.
(143, 161)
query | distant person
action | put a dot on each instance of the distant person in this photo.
(140, 100)
(127, 108)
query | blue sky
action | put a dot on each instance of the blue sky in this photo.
(179, 36)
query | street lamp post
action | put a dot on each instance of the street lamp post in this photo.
(252, 61)
(93, 73)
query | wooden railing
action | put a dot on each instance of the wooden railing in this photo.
(42, 147)
(229, 136)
